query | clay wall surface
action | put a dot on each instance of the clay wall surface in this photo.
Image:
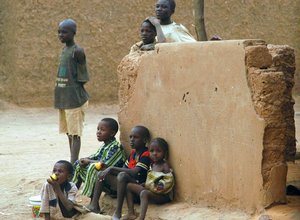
(221, 121)
(29, 47)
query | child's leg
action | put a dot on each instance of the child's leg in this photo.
(98, 188)
(147, 195)
(78, 173)
(46, 216)
(90, 180)
(130, 204)
(94, 204)
(123, 179)
(74, 147)
(132, 188)
(70, 141)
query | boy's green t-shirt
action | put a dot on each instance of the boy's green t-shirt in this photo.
(69, 87)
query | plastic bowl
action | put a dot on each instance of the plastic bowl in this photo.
(35, 201)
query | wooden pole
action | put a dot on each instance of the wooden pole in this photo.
(199, 20)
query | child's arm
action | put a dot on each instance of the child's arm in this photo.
(83, 162)
(160, 35)
(91, 159)
(60, 195)
(115, 170)
(166, 167)
(79, 55)
(161, 182)
(82, 73)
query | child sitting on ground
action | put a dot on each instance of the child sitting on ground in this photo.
(110, 154)
(135, 170)
(150, 28)
(58, 194)
(159, 183)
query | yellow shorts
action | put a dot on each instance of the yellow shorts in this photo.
(71, 120)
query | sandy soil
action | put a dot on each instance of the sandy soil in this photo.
(30, 145)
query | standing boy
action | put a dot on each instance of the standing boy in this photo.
(173, 32)
(70, 96)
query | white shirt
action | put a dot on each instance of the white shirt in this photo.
(177, 33)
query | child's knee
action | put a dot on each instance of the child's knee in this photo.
(122, 176)
(144, 194)
(128, 187)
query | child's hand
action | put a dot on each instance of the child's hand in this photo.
(148, 47)
(216, 37)
(160, 186)
(84, 162)
(158, 179)
(102, 174)
(54, 184)
(154, 21)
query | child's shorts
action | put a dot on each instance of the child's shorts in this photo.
(71, 120)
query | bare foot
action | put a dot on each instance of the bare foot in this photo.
(129, 217)
(114, 217)
(91, 208)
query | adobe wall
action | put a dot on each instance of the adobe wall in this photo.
(227, 112)
(29, 47)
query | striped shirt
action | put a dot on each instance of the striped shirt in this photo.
(111, 154)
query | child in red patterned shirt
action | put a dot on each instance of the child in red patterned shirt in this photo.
(134, 171)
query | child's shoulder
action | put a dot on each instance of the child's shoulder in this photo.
(180, 27)
(146, 153)
(79, 53)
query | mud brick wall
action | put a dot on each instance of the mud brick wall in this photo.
(226, 110)
(271, 79)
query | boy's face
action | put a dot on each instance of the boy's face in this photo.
(61, 172)
(65, 33)
(147, 33)
(104, 131)
(137, 140)
(163, 10)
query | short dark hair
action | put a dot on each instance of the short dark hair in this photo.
(67, 164)
(172, 5)
(145, 132)
(113, 124)
(163, 144)
(70, 23)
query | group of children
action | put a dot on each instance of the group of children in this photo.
(70, 96)
(145, 176)
(161, 29)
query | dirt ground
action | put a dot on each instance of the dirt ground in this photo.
(30, 145)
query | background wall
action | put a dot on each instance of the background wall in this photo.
(29, 47)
